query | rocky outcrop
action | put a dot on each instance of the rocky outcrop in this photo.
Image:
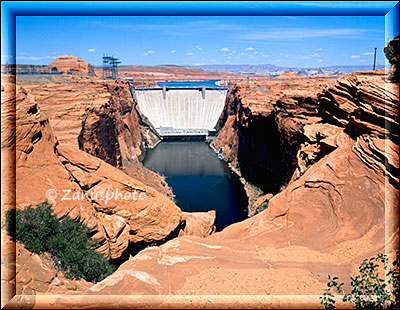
(111, 131)
(362, 106)
(324, 222)
(135, 213)
(199, 224)
(71, 65)
(123, 214)
(278, 251)
(79, 184)
(35, 274)
(335, 149)
(289, 75)
(321, 140)
(264, 128)
(273, 136)
(100, 118)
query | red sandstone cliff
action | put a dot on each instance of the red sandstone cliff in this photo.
(49, 159)
(71, 65)
(338, 211)
(43, 163)
(100, 118)
(333, 146)
(263, 130)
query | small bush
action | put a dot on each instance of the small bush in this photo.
(67, 241)
(392, 51)
(369, 291)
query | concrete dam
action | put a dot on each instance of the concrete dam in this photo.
(188, 111)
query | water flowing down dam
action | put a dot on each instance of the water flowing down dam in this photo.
(182, 111)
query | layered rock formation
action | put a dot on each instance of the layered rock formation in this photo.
(199, 224)
(332, 145)
(35, 274)
(264, 129)
(123, 214)
(99, 117)
(71, 65)
(324, 222)
(45, 164)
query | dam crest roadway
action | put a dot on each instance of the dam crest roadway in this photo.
(181, 108)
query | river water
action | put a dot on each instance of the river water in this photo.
(200, 181)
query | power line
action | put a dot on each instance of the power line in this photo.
(110, 66)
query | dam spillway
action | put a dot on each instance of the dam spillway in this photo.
(182, 111)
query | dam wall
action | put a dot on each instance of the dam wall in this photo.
(182, 111)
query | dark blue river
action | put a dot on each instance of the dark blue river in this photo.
(200, 181)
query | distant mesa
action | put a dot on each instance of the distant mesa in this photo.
(288, 75)
(71, 65)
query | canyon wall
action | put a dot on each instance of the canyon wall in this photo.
(339, 209)
(263, 131)
(99, 117)
(44, 163)
(326, 148)
(50, 128)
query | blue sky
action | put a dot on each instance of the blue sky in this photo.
(292, 41)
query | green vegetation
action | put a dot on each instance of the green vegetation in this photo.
(392, 54)
(68, 242)
(369, 291)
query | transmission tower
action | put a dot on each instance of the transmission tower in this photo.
(110, 67)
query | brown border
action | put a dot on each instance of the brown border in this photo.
(8, 262)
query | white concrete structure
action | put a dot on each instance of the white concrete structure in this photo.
(184, 111)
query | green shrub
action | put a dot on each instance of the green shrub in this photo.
(392, 51)
(67, 241)
(369, 291)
